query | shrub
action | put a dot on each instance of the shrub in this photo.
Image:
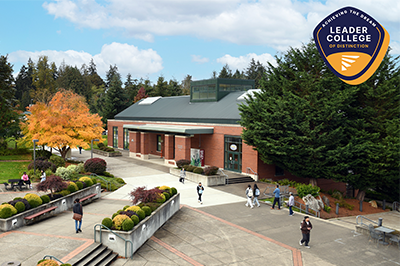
(180, 163)
(80, 167)
(118, 220)
(190, 168)
(45, 198)
(42, 165)
(161, 198)
(79, 184)
(115, 214)
(141, 194)
(127, 225)
(94, 180)
(166, 195)
(304, 190)
(24, 201)
(48, 263)
(128, 213)
(113, 187)
(120, 180)
(73, 168)
(64, 192)
(337, 195)
(42, 154)
(186, 166)
(95, 165)
(57, 161)
(107, 174)
(327, 208)
(87, 180)
(133, 208)
(65, 173)
(198, 170)
(100, 145)
(173, 191)
(33, 199)
(20, 206)
(5, 212)
(141, 214)
(53, 183)
(146, 210)
(211, 170)
(135, 219)
(72, 187)
(107, 222)
(126, 207)
(287, 182)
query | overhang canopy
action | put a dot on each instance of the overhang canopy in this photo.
(185, 130)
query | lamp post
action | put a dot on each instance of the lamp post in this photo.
(91, 154)
(34, 155)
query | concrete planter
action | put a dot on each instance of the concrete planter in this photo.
(107, 154)
(141, 232)
(208, 181)
(62, 204)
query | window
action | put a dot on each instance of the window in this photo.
(279, 171)
(115, 137)
(126, 139)
(203, 92)
(159, 142)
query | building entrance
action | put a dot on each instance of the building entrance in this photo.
(233, 154)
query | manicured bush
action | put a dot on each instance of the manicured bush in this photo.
(42, 165)
(113, 187)
(65, 192)
(48, 263)
(161, 198)
(107, 174)
(133, 208)
(126, 207)
(173, 191)
(57, 161)
(72, 187)
(127, 225)
(64, 173)
(19, 199)
(164, 187)
(45, 199)
(33, 199)
(303, 190)
(94, 180)
(118, 220)
(190, 168)
(20, 206)
(80, 168)
(120, 180)
(87, 180)
(79, 184)
(5, 212)
(146, 210)
(107, 222)
(166, 195)
(115, 214)
(198, 170)
(186, 166)
(180, 163)
(141, 214)
(95, 165)
(211, 170)
(135, 219)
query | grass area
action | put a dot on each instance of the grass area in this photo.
(16, 157)
(12, 170)
(103, 140)
(114, 184)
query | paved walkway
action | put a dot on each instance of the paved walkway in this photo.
(222, 231)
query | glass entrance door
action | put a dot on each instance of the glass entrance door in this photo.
(233, 154)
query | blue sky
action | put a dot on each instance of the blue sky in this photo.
(173, 38)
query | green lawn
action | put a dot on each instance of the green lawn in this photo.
(16, 157)
(10, 170)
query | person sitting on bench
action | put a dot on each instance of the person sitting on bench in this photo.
(25, 177)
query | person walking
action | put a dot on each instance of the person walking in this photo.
(182, 175)
(249, 195)
(291, 203)
(26, 180)
(305, 227)
(256, 192)
(43, 176)
(200, 190)
(77, 216)
(277, 193)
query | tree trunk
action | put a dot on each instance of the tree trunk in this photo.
(313, 182)
(360, 195)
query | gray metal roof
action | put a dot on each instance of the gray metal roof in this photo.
(187, 130)
(180, 109)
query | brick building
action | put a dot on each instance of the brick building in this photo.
(202, 127)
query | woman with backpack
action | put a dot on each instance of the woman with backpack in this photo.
(256, 192)
(249, 195)
(200, 190)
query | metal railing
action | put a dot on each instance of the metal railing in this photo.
(284, 190)
(108, 183)
(111, 231)
(52, 258)
(248, 170)
(361, 220)
(396, 206)
(304, 207)
(223, 173)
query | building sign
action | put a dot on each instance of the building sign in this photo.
(352, 44)
(202, 157)
(195, 157)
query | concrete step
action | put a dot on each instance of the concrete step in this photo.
(95, 255)
(236, 180)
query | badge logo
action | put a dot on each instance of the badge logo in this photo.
(352, 44)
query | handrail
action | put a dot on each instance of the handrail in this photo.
(306, 208)
(53, 258)
(248, 169)
(223, 173)
(396, 206)
(111, 231)
(364, 218)
(283, 190)
(108, 183)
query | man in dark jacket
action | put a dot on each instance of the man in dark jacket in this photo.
(306, 227)
(77, 209)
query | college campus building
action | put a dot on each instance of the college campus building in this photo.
(202, 127)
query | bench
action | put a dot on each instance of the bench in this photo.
(88, 197)
(31, 217)
(15, 183)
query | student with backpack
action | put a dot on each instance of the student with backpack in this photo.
(249, 195)
(256, 192)
(200, 190)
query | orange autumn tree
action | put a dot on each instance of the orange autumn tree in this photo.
(63, 123)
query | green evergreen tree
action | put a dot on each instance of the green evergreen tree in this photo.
(255, 71)
(114, 100)
(161, 88)
(225, 72)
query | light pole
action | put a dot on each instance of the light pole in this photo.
(34, 155)
(91, 154)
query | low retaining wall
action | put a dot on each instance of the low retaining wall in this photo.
(142, 231)
(62, 204)
(208, 181)
(108, 154)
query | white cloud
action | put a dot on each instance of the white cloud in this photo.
(128, 58)
(199, 59)
(242, 62)
(276, 23)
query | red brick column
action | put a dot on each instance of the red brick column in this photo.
(134, 141)
(182, 147)
(144, 144)
(169, 147)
